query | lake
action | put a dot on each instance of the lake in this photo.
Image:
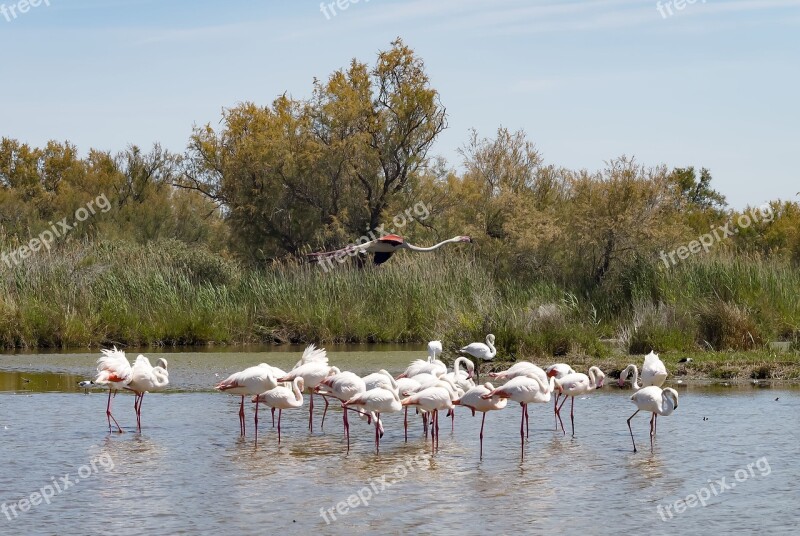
(726, 460)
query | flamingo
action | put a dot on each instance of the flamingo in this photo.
(521, 369)
(114, 371)
(434, 350)
(656, 401)
(433, 399)
(420, 366)
(560, 370)
(251, 381)
(342, 386)
(313, 368)
(479, 350)
(382, 248)
(146, 378)
(654, 372)
(382, 378)
(462, 380)
(405, 387)
(377, 401)
(572, 385)
(282, 398)
(473, 399)
(525, 390)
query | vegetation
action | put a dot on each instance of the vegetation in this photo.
(208, 246)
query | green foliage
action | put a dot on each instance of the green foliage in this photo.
(205, 246)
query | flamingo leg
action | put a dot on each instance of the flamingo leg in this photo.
(655, 423)
(527, 427)
(522, 430)
(273, 417)
(652, 430)
(483, 420)
(255, 421)
(436, 425)
(325, 398)
(377, 433)
(139, 413)
(556, 417)
(425, 424)
(631, 431)
(311, 414)
(572, 415)
(405, 423)
(280, 412)
(242, 429)
(558, 413)
(346, 428)
(109, 416)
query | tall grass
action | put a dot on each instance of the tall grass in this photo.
(167, 293)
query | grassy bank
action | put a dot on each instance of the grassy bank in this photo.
(166, 293)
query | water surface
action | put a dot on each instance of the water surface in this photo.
(190, 473)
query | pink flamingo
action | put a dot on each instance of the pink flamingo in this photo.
(473, 399)
(378, 400)
(525, 390)
(251, 381)
(577, 384)
(114, 371)
(146, 378)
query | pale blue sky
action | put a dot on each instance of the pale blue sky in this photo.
(715, 84)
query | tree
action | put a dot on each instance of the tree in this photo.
(323, 170)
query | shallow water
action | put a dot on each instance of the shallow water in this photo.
(190, 473)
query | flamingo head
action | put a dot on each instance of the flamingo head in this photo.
(623, 376)
(470, 369)
(601, 379)
(552, 372)
(467, 239)
(161, 363)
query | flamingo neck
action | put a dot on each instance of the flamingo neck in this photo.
(635, 380)
(593, 378)
(298, 394)
(492, 349)
(432, 248)
(160, 377)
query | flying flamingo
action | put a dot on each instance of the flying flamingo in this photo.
(473, 399)
(114, 371)
(282, 398)
(572, 385)
(146, 378)
(654, 372)
(313, 368)
(560, 370)
(382, 248)
(433, 399)
(251, 381)
(342, 386)
(376, 401)
(656, 401)
(525, 390)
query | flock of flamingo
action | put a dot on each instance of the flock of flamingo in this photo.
(426, 385)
